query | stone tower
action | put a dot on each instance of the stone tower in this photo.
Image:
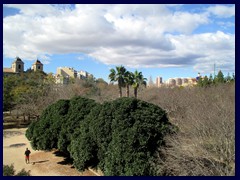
(18, 65)
(37, 66)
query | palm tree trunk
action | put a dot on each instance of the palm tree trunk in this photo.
(135, 92)
(127, 91)
(120, 91)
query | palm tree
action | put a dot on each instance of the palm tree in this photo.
(128, 78)
(118, 76)
(138, 80)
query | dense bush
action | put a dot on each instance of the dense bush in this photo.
(120, 137)
(44, 133)
(10, 171)
(23, 172)
(79, 107)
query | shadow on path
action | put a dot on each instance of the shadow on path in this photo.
(40, 161)
(18, 145)
(67, 160)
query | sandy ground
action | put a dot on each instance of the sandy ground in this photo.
(41, 163)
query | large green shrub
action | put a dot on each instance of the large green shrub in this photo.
(79, 107)
(93, 137)
(44, 133)
(119, 137)
(126, 133)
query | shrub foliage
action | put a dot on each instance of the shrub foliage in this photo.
(119, 137)
(10, 171)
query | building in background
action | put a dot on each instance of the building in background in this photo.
(159, 81)
(65, 74)
(84, 75)
(17, 67)
(181, 82)
(171, 82)
(37, 66)
(178, 81)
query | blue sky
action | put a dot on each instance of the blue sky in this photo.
(159, 40)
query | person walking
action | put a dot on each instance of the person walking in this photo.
(27, 154)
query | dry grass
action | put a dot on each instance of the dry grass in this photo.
(205, 143)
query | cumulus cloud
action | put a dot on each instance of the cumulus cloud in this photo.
(132, 35)
(222, 10)
(212, 48)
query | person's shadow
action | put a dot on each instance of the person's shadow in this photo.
(39, 162)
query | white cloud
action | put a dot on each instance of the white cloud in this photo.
(226, 25)
(222, 10)
(211, 47)
(132, 35)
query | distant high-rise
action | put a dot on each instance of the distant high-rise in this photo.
(159, 81)
(150, 82)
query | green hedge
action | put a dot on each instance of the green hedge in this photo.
(119, 137)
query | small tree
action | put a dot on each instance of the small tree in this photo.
(228, 78)
(138, 80)
(210, 79)
(220, 77)
(128, 78)
(205, 81)
(118, 76)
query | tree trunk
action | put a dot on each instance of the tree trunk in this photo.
(120, 91)
(135, 92)
(127, 91)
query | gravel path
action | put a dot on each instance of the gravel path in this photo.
(41, 163)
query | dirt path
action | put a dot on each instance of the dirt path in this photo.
(41, 163)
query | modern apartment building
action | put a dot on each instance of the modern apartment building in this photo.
(159, 81)
(64, 74)
(84, 75)
(181, 82)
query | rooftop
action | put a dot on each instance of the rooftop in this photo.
(8, 70)
(37, 62)
(18, 60)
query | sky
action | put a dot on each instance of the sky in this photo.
(167, 40)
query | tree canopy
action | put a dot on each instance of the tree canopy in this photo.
(120, 137)
(126, 78)
(219, 79)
